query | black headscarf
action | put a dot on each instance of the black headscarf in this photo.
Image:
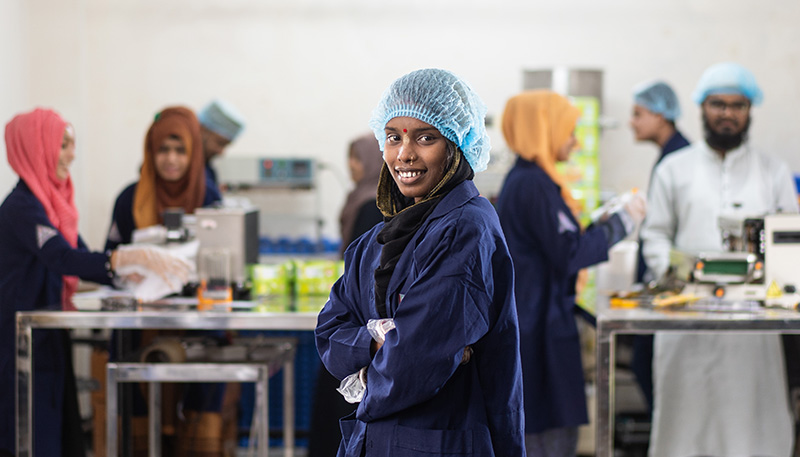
(403, 218)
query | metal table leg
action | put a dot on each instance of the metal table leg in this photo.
(262, 408)
(24, 388)
(605, 391)
(111, 411)
(288, 408)
(182, 372)
(154, 414)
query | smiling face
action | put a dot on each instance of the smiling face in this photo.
(67, 154)
(171, 159)
(416, 155)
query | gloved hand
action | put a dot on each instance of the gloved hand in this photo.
(168, 266)
(353, 386)
(378, 328)
(636, 207)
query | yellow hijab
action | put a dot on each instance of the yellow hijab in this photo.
(536, 124)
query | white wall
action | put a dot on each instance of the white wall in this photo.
(13, 75)
(307, 73)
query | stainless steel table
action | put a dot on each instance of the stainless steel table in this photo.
(161, 319)
(613, 322)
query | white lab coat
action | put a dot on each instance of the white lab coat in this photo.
(722, 394)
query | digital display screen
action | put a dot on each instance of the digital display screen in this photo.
(786, 237)
(300, 168)
(725, 267)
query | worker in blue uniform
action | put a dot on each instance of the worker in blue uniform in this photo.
(549, 248)
(41, 258)
(655, 110)
(446, 379)
(172, 176)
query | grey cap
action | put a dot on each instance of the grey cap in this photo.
(222, 118)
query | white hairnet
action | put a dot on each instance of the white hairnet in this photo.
(441, 99)
(728, 78)
(659, 98)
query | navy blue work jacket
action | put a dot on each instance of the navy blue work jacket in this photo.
(33, 258)
(548, 249)
(212, 185)
(452, 288)
(675, 142)
(122, 223)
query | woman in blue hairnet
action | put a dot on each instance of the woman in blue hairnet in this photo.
(655, 110)
(422, 326)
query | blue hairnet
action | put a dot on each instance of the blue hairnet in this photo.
(728, 78)
(441, 99)
(222, 118)
(659, 98)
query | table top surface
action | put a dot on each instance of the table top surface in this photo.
(170, 319)
(732, 318)
(279, 313)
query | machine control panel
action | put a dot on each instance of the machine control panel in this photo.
(244, 172)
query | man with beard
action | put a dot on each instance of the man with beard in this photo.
(722, 394)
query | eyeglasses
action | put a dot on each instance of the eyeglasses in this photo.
(718, 106)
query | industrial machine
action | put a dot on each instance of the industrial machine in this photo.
(782, 258)
(221, 241)
(229, 230)
(761, 263)
(285, 190)
(266, 172)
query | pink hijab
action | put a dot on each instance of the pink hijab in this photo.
(33, 144)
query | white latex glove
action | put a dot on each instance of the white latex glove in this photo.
(378, 328)
(353, 387)
(167, 266)
(636, 207)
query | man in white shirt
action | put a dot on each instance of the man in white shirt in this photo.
(723, 394)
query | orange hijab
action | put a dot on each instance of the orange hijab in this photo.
(535, 125)
(33, 144)
(153, 195)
